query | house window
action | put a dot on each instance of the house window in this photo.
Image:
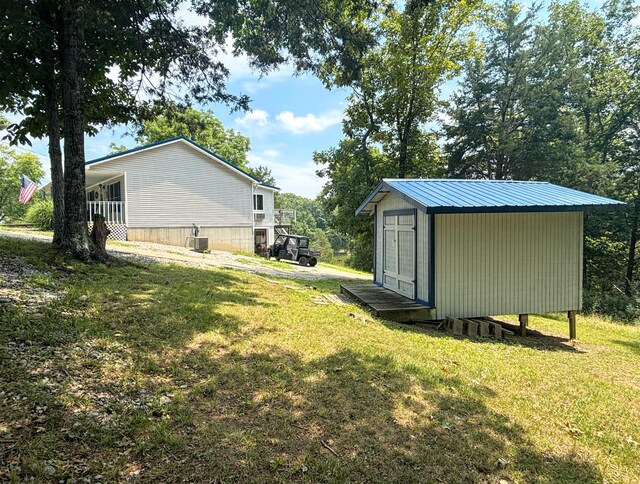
(113, 192)
(258, 202)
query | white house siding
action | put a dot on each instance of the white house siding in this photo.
(393, 202)
(174, 186)
(269, 220)
(508, 263)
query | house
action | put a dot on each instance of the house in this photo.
(478, 248)
(156, 193)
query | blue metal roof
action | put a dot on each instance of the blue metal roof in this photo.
(481, 196)
(171, 140)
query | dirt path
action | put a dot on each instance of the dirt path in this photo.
(217, 258)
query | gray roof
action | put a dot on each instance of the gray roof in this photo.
(482, 196)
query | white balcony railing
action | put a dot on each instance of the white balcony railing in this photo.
(113, 211)
(284, 216)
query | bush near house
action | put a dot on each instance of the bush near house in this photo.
(40, 214)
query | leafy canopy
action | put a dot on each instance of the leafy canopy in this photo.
(12, 166)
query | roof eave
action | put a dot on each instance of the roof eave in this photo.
(384, 185)
(168, 141)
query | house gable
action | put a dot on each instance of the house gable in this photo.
(175, 185)
(180, 139)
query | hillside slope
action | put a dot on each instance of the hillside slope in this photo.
(162, 372)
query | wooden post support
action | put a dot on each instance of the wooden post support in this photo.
(572, 324)
(524, 321)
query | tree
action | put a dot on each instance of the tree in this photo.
(12, 166)
(392, 101)
(199, 126)
(203, 128)
(504, 108)
(558, 100)
(103, 61)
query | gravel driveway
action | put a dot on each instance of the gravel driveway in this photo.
(217, 258)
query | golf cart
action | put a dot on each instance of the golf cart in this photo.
(294, 248)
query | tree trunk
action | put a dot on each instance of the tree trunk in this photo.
(76, 236)
(631, 259)
(99, 233)
(55, 155)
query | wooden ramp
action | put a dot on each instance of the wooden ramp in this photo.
(388, 304)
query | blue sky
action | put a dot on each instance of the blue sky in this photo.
(291, 118)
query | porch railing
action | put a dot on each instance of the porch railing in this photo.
(113, 211)
(284, 216)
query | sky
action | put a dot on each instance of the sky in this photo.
(291, 118)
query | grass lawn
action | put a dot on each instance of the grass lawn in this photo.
(168, 373)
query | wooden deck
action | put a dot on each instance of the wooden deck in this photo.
(388, 304)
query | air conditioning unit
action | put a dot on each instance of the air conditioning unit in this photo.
(259, 216)
(200, 243)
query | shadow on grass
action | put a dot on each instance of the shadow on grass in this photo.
(125, 389)
(264, 416)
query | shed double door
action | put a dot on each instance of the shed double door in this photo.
(399, 252)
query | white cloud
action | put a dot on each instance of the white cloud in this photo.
(189, 17)
(298, 178)
(310, 123)
(257, 117)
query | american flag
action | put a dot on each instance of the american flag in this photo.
(27, 189)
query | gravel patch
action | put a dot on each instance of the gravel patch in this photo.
(17, 288)
(152, 252)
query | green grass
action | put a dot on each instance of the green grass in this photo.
(267, 262)
(173, 373)
(344, 268)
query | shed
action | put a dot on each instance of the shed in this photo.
(479, 248)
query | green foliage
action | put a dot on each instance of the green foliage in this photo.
(154, 357)
(12, 166)
(205, 129)
(40, 214)
(311, 220)
(318, 240)
(391, 102)
(199, 126)
(309, 213)
(558, 100)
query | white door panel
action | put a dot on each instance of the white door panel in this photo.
(399, 254)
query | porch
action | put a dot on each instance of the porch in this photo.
(106, 196)
(388, 304)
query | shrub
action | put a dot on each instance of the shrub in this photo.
(40, 214)
(613, 303)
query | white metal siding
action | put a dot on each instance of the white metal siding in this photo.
(269, 217)
(393, 202)
(508, 263)
(174, 185)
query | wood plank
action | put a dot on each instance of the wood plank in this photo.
(524, 322)
(388, 304)
(572, 324)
